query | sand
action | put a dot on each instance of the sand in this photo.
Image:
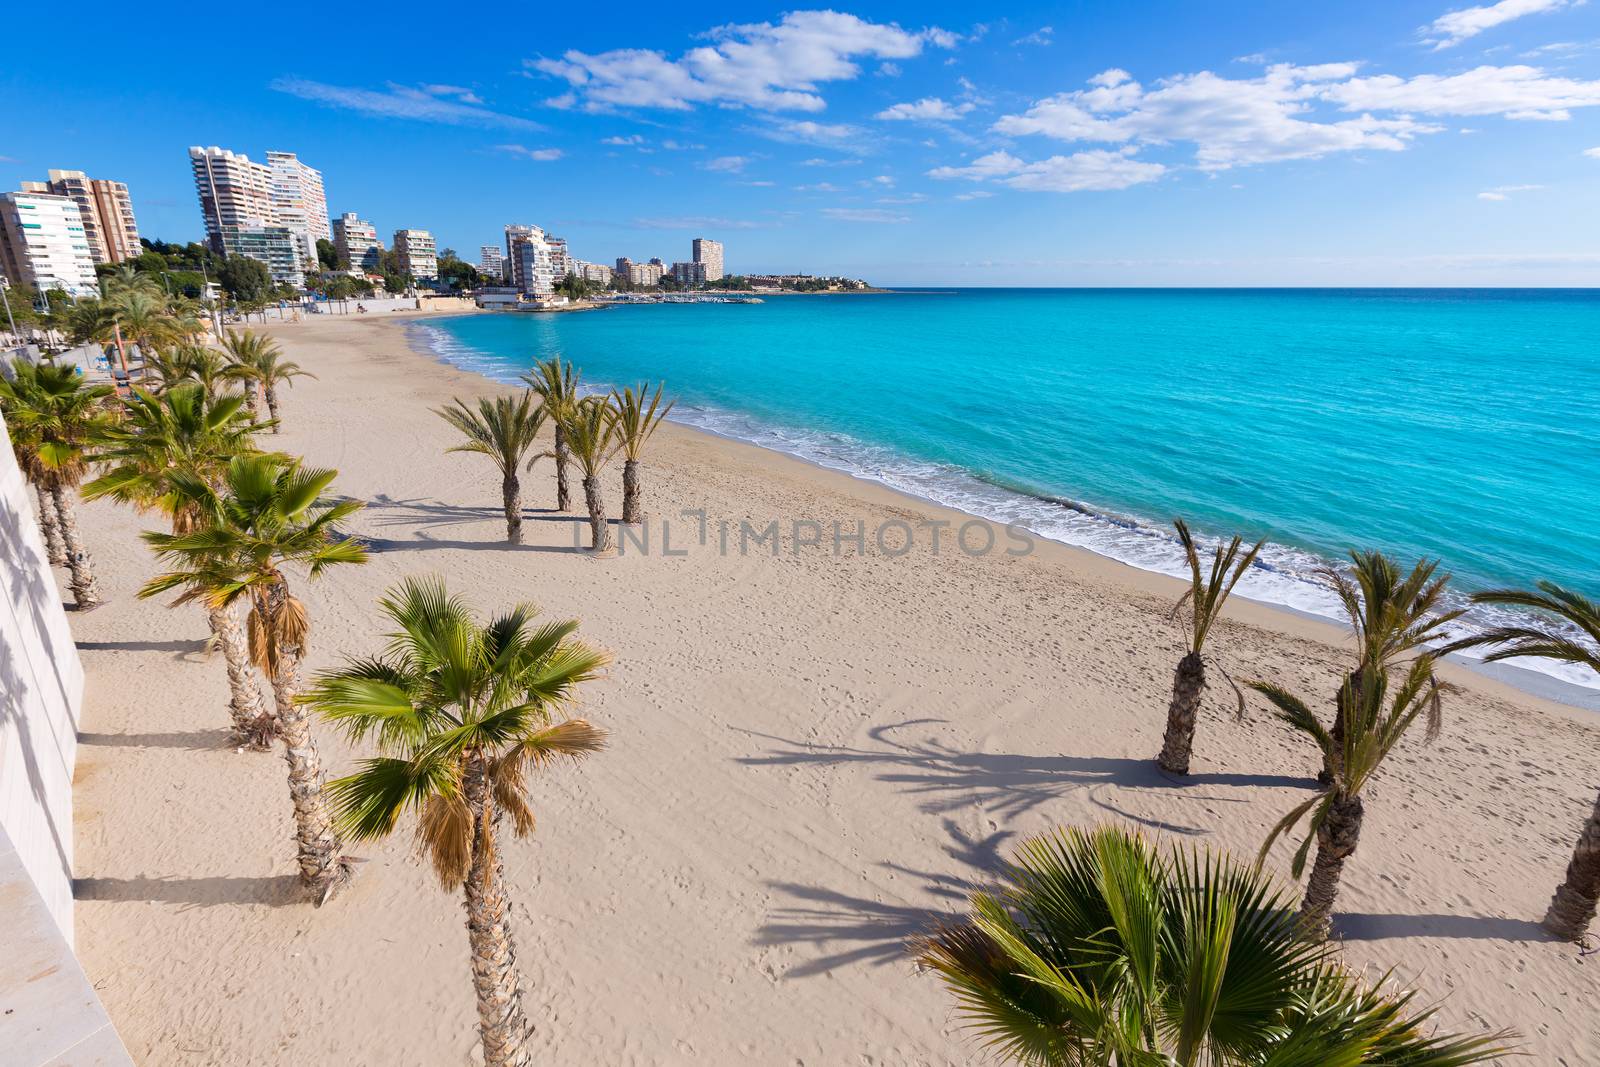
(811, 754)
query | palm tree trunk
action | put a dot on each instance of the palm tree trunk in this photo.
(1188, 683)
(1349, 693)
(511, 494)
(50, 527)
(632, 494)
(272, 406)
(501, 1021)
(250, 403)
(253, 724)
(1336, 842)
(563, 457)
(599, 529)
(322, 869)
(1573, 907)
(85, 593)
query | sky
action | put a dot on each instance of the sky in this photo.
(1138, 143)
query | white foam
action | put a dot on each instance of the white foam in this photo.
(1283, 576)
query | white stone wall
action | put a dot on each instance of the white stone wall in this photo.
(41, 696)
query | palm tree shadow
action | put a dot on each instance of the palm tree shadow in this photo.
(197, 741)
(1368, 926)
(181, 647)
(436, 513)
(425, 544)
(851, 929)
(275, 891)
(1008, 784)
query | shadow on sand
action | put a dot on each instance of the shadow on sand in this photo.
(1360, 926)
(196, 741)
(276, 891)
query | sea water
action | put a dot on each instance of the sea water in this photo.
(1462, 425)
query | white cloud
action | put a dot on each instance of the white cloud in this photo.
(623, 142)
(731, 164)
(1042, 36)
(1093, 170)
(864, 214)
(806, 131)
(693, 222)
(818, 161)
(774, 66)
(1451, 29)
(818, 187)
(883, 179)
(1517, 92)
(976, 194)
(542, 155)
(1231, 122)
(466, 96)
(1503, 192)
(680, 146)
(405, 102)
(1592, 153)
(928, 109)
(914, 198)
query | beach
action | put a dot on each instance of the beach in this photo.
(814, 748)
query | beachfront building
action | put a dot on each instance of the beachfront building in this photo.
(357, 241)
(43, 243)
(596, 273)
(276, 246)
(708, 254)
(491, 262)
(529, 265)
(689, 274)
(237, 201)
(624, 265)
(105, 209)
(299, 203)
(645, 273)
(560, 262)
(416, 255)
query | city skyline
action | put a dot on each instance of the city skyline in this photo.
(1422, 143)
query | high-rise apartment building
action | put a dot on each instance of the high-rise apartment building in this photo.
(105, 209)
(596, 274)
(43, 243)
(299, 203)
(646, 273)
(234, 192)
(357, 241)
(689, 274)
(560, 262)
(416, 254)
(491, 262)
(529, 266)
(709, 254)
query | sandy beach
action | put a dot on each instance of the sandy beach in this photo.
(812, 752)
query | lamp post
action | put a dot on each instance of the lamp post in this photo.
(9, 320)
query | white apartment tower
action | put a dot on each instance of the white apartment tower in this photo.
(43, 243)
(492, 262)
(105, 209)
(708, 253)
(529, 265)
(357, 241)
(417, 256)
(299, 203)
(236, 199)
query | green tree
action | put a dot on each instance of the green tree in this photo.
(1204, 598)
(328, 256)
(256, 360)
(187, 432)
(269, 513)
(1573, 637)
(1098, 950)
(55, 420)
(555, 383)
(461, 712)
(245, 279)
(505, 429)
(1377, 716)
(638, 414)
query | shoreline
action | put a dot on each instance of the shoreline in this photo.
(811, 755)
(1521, 679)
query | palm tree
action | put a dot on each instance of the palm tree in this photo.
(207, 366)
(504, 429)
(269, 513)
(556, 385)
(94, 321)
(637, 418)
(55, 418)
(1205, 597)
(243, 349)
(461, 712)
(144, 318)
(1375, 721)
(185, 431)
(1096, 949)
(1573, 907)
(591, 431)
(1392, 616)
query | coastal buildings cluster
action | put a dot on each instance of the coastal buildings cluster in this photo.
(55, 233)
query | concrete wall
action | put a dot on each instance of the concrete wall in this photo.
(41, 694)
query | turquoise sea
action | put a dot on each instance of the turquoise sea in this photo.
(1462, 424)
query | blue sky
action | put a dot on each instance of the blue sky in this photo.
(1423, 143)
